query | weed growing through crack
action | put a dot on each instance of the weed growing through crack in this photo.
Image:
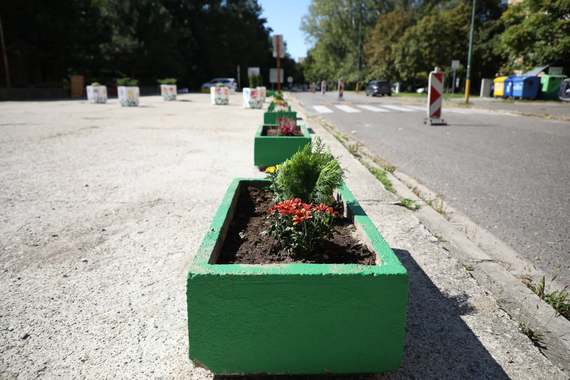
(354, 150)
(409, 204)
(437, 205)
(390, 169)
(535, 337)
(558, 299)
(381, 176)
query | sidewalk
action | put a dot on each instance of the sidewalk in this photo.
(104, 207)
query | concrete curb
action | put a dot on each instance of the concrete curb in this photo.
(511, 294)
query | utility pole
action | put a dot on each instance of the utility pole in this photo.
(468, 79)
(360, 38)
(5, 54)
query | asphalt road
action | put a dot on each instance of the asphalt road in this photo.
(509, 174)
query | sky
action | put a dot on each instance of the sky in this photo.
(284, 17)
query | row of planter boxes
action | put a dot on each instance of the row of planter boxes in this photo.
(294, 318)
(128, 95)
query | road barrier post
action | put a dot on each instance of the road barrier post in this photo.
(435, 98)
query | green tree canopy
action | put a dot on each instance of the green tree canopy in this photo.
(382, 41)
(537, 32)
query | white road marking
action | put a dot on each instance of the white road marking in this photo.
(397, 108)
(371, 108)
(418, 108)
(346, 109)
(322, 109)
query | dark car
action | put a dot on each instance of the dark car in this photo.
(379, 87)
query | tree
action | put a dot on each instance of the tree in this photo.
(537, 32)
(338, 29)
(144, 39)
(433, 41)
(380, 52)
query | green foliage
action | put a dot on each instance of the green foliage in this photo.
(433, 41)
(126, 81)
(167, 81)
(382, 177)
(95, 84)
(382, 41)
(537, 32)
(300, 226)
(535, 337)
(409, 204)
(193, 41)
(558, 299)
(338, 29)
(255, 81)
(312, 174)
(403, 40)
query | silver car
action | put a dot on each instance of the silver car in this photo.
(228, 82)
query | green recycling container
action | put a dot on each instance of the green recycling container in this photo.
(550, 86)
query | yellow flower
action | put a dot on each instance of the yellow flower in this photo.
(272, 169)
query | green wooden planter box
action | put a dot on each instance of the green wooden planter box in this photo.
(271, 150)
(296, 318)
(270, 118)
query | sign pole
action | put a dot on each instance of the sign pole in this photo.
(468, 78)
(278, 73)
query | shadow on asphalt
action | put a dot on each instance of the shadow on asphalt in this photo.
(439, 345)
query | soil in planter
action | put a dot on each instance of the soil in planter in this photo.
(247, 244)
(275, 132)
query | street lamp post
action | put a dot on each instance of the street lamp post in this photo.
(468, 79)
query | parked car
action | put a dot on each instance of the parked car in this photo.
(228, 82)
(378, 87)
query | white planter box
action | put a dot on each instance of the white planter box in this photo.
(168, 91)
(251, 98)
(219, 95)
(97, 94)
(128, 95)
(262, 93)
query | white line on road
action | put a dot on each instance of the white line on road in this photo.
(397, 108)
(346, 109)
(371, 108)
(322, 109)
(418, 108)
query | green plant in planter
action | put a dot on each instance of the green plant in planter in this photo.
(255, 80)
(288, 127)
(304, 187)
(95, 84)
(301, 226)
(167, 81)
(312, 174)
(126, 81)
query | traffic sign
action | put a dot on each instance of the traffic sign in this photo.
(435, 98)
(455, 64)
(274, 78)
(252, 71)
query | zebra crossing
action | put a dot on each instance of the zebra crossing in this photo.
(379, 108)
(367, 107)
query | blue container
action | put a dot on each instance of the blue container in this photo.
(526, 87)
(508, 92)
